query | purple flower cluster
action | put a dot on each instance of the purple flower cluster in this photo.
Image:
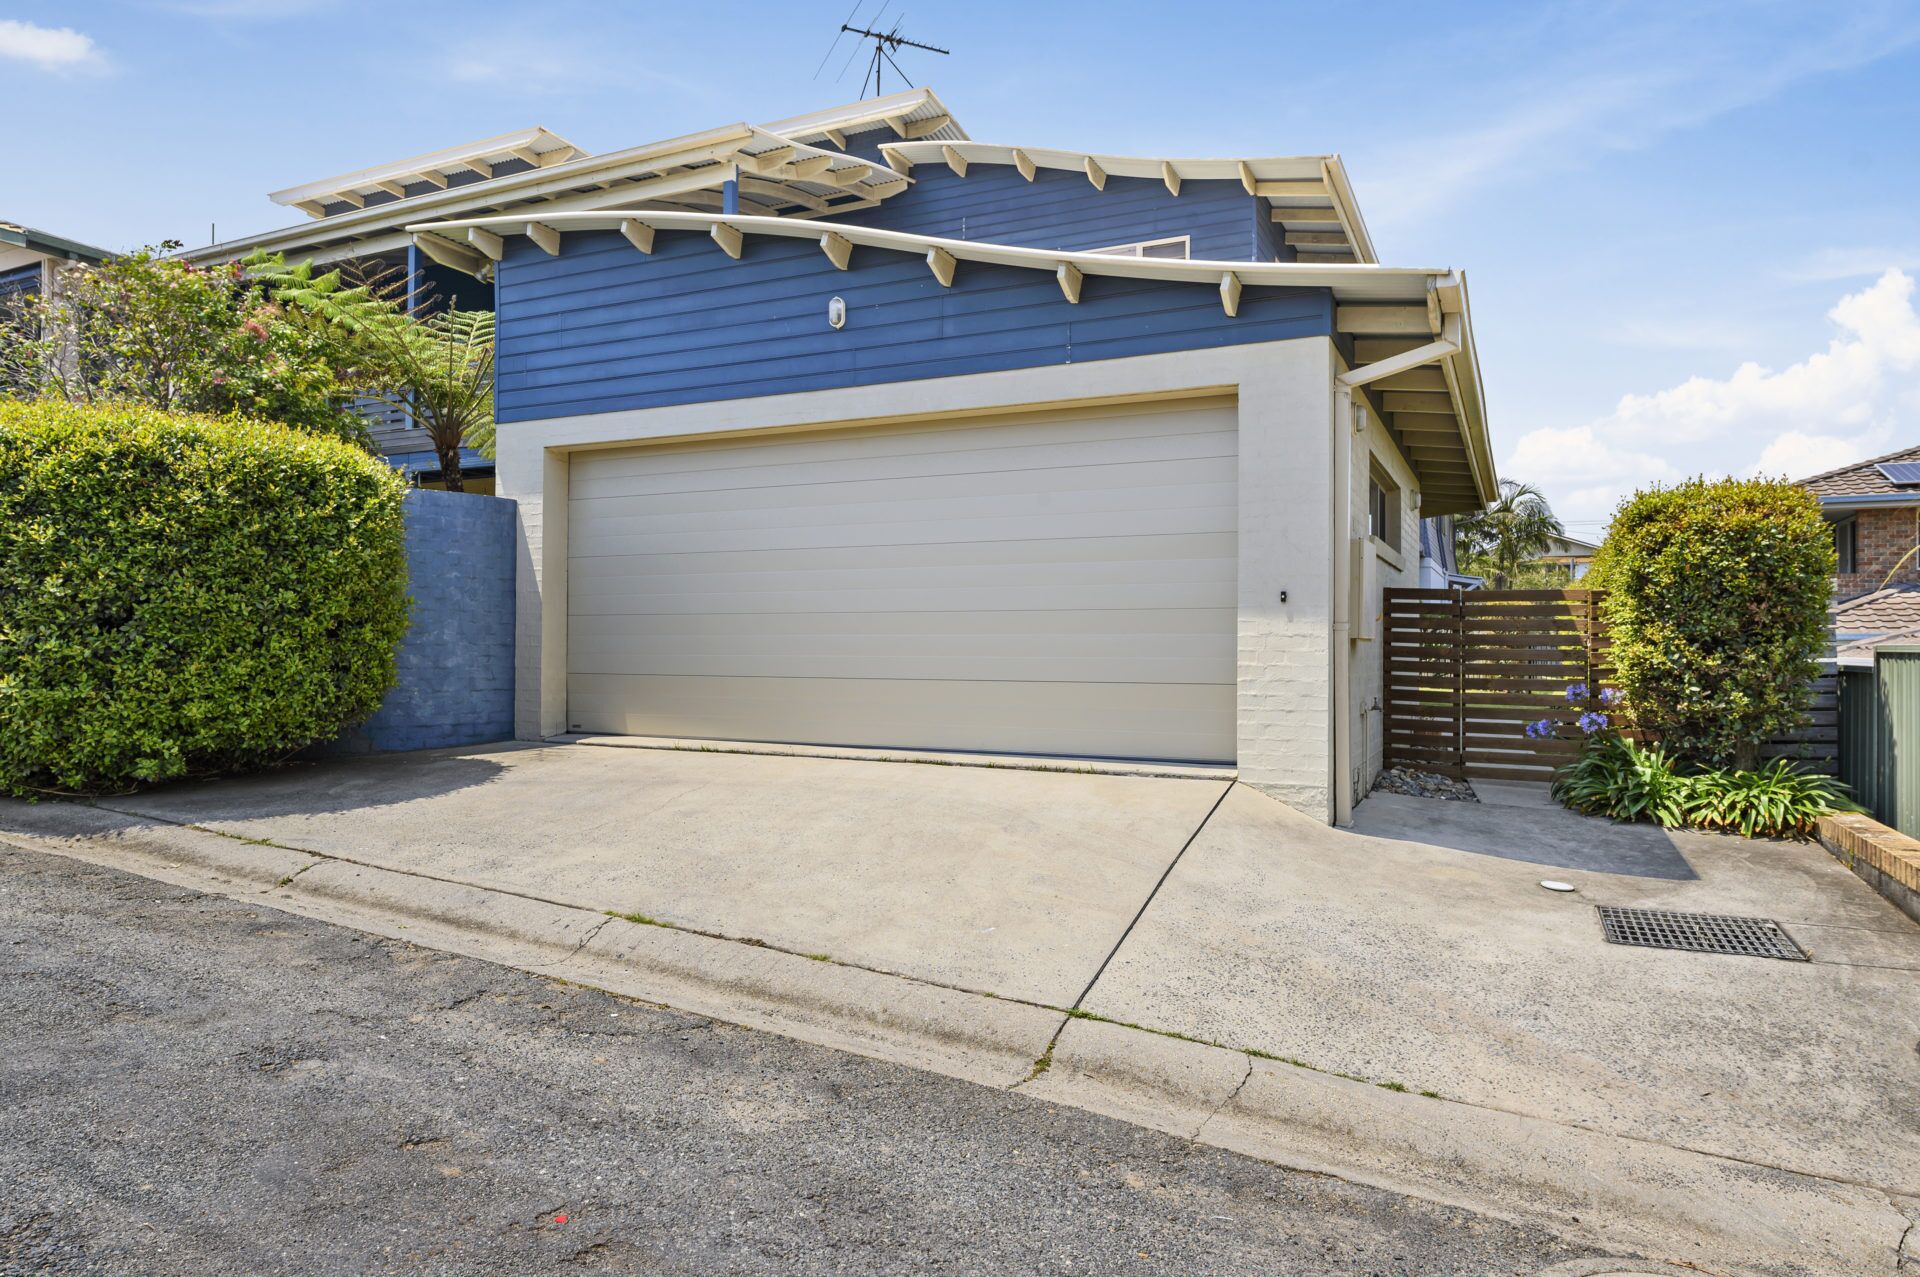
(1589, 722)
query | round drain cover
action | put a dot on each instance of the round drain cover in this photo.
(1552, 884)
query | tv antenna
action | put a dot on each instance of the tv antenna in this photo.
(885, 45)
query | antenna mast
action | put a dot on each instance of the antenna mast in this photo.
(885, 45)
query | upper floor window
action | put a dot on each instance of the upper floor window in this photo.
(1846, 541)
(1179, 246)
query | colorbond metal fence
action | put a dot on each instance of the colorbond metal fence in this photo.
(1467, 670)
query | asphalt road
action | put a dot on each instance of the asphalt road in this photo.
(190, 1084)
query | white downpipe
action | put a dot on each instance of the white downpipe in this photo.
(1345, 426)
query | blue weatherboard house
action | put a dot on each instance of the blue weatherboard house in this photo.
(851, 430)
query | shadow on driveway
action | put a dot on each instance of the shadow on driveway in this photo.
(1543, 834)
(324, 787)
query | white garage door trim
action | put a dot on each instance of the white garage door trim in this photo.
(1059, 583)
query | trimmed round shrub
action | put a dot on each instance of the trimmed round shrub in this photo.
(1717, 605)
(186, 595)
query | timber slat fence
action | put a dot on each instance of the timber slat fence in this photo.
(1466, 670)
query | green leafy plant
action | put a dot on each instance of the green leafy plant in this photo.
(1616, 778)
(147, 329)
(407, 349)
(185, 595)
(1716, 599)
(1771, 801)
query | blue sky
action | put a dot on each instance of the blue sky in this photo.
(1691, 230)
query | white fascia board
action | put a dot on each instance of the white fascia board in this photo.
(1268, 169)
(1349, 282)
(532, 184)
(1271, 168)
(536, 139)
(913, 104)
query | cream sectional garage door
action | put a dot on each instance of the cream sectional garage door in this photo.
(1059, 584)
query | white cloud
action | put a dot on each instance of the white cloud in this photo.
(1828, 264)
(1858, 396)
(49, 48)
(1618, 77)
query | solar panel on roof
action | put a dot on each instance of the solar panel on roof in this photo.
(1901, 473)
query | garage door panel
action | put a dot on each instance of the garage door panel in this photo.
(1142, 436)
(1086, 719)
(945, 576)
(1065, 584)
(591, 573)
(636, 515)
(849, 493)
(1086, 626)
(1179, 594)
(588, 539)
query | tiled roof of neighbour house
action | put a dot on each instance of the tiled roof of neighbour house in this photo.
(1863, 479)
(1881, 612)
(1860, 652)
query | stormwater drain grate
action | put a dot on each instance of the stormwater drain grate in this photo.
(1698, 933)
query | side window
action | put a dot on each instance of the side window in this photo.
(1846, 537)
(1383, 509)
(1178, 247)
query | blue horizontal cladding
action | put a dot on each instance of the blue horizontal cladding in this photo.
(454, 676)
(603, 327)
(1063, 210)
(21, 279)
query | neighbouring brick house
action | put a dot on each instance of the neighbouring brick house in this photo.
(1874, 507)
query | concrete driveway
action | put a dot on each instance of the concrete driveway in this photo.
(1223, 957)
(1013, 882)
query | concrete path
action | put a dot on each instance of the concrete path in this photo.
(1278, 988)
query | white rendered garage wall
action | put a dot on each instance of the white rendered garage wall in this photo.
(1284, 392)
(1393, 569)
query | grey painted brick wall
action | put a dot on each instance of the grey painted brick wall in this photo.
(456, 663)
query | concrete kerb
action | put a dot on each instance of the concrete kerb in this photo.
(1693, 1208)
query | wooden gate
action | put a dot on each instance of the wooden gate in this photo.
(1467, 670)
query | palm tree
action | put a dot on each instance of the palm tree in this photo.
(1518, 526)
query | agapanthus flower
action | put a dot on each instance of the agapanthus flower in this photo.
(1576, 692)
(1592, 721)
(1540, 730)
(1609, 697)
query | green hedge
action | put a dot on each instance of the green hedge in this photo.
(1716, 602)
(184, 595)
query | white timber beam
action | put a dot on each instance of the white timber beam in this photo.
(1346, 227)
(836, 137)
(812, 166)
(1230, 294)
(1292, 188)
(312, 208)
(838, 248)
(433, 177)
(898, 123)
(955, 161)
(354, 198)
(1070, 279)
(851, 175)
(940, 262)
(728, 238)
(448, 253)
(1171, 176)
(779, 193)
(526, 153)
(1333, 241)
(545, 236)
(883, 189)
(1096, 174)
(1024, 162)
(1383, 320)
(481, 167)
(487, 242)
(917, 129)
(394, 189)
(766, 161)
(638, 234)
(1248, 180)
